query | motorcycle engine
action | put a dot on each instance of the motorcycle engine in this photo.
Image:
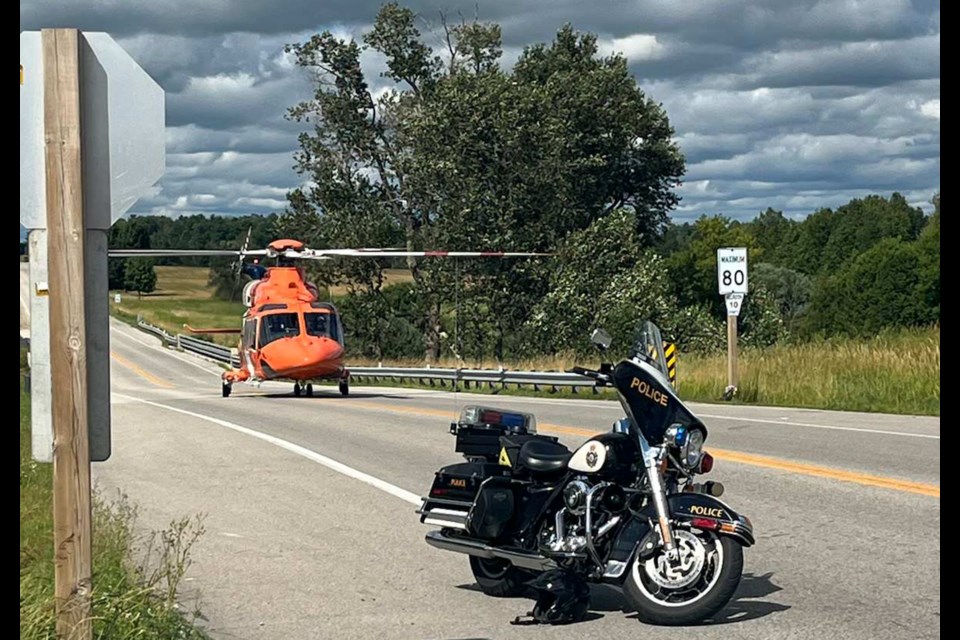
(568, 533)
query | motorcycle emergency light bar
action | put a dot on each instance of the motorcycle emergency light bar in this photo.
(478, 416)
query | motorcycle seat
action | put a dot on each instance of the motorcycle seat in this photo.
(543, 456)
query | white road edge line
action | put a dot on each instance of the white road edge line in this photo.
(309, 454)
(811, 425)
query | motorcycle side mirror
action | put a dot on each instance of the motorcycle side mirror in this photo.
(601, 339)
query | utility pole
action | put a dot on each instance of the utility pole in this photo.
(68, 346)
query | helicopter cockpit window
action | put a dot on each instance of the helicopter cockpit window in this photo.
(322, 325)
(278, 325)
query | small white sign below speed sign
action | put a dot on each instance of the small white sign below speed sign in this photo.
(732, 270)
(734, 302)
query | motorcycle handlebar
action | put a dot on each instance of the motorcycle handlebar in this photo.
(602, 378)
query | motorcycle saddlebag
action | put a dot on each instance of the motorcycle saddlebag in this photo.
(492, 509)
(453, 492)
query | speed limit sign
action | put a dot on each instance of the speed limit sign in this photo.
(732, 270)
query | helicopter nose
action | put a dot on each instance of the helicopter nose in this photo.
(321, 353)
(322, 349)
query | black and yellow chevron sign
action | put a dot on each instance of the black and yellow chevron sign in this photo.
(670, 353)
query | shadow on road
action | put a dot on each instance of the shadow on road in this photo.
(745, 605)
(333, 394)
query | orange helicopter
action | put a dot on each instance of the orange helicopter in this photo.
(287, 332)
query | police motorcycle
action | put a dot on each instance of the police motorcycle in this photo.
(624, 508)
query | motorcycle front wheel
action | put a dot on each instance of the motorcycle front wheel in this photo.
(691, 588)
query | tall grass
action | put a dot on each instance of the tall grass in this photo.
(895, 372)
(131, 599)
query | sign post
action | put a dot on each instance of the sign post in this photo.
(91, 143)
(68, 345)
(732, 285)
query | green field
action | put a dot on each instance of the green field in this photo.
(183, 296)
(130, 600)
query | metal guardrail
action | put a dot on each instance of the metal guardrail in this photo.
(209, 350)
(493, 379)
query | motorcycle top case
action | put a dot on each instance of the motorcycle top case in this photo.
(479, 429)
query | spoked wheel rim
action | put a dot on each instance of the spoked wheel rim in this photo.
(679, 584)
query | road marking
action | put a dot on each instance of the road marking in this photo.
(866, 479)
(309, 454)
(143, 373)
(612, 404)
(153, 344)
(755, 460)
(812, 425)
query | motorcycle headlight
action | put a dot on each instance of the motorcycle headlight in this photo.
(692, 448)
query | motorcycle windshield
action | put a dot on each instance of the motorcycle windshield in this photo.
(648, 346)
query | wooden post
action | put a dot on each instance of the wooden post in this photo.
(733, 374)
(68, 349)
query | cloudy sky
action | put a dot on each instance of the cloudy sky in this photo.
(794, 104)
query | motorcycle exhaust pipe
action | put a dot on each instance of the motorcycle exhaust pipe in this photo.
(481, 549)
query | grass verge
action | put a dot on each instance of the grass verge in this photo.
(130, 599)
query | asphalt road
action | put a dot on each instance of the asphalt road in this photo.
(311, 530)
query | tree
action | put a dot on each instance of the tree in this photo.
(788, 290)
(827, 239)
(882, 287)
(775, 235)
(928, 248)
(693, 269)
(461, 154)
(116, 273)
(140, 276)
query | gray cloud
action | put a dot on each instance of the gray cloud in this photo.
(794, 104)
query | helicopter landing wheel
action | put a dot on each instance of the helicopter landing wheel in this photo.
(309, 390)
(296, 389)
(226, 388)
(344, 388)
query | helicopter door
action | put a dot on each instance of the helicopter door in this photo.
(248, 343)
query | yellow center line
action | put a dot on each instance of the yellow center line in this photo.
(739, 457)
(140, 371)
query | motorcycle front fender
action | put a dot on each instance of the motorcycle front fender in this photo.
(705, 511)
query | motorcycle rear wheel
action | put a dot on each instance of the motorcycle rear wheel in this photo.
(499, 578)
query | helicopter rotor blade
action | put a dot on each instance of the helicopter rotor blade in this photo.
(180, 253)
(326, 254)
